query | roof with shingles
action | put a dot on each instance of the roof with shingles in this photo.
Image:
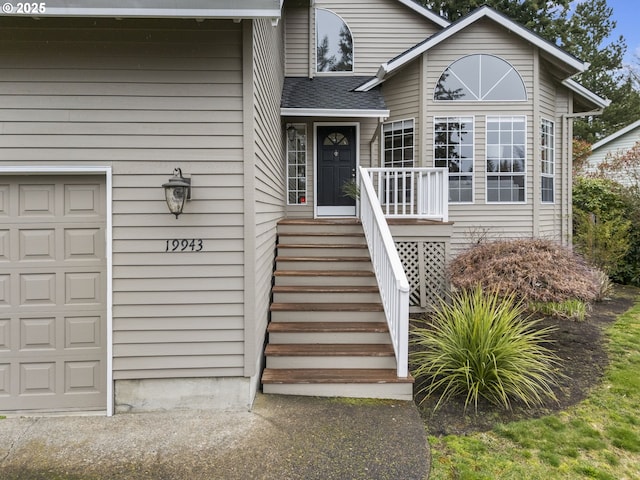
(330, 92)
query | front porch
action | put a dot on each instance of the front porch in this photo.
(343, 289)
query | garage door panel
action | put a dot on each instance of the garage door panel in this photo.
(4, 200)
(38, 289)
(82, 332)
(5, 290)
(4, 246)
(36, 200)
(83, 288)
(82, 377)
(52, 293)
(83, 244)
(37, 245)
(84, 200)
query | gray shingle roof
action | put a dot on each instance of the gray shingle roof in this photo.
(334, 93)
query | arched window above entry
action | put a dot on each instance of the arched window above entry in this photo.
(334, 43)
(480, 77)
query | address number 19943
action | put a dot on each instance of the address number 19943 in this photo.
(184, 245)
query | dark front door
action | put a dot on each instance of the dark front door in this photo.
(336, 166)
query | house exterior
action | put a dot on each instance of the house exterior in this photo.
(109, 303)
(616, 144)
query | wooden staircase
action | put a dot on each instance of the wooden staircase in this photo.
(328, 334)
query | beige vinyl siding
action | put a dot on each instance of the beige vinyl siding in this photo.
(266, 178)
(297, 35)
(553, 103)
(402, 97)
(480, 219)
(381, 30)
(144, 97)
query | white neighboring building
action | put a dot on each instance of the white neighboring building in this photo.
(617, 143)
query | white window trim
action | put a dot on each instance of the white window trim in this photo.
(315, 47)
(88, 170)
(489, 174)
(473, 173)
(552, 150)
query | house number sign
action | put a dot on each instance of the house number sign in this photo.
(184, 245)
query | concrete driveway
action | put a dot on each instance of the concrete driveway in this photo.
(282, 438)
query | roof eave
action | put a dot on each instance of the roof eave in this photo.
(586, 94)
(333, 112)
(615, 135)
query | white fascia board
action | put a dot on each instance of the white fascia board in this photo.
(454, 28)
(425, 12)
(328, 112)
(586, 93)
(147, 9)
(615, 135)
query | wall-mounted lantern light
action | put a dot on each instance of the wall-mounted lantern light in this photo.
(177, 191)
(291, 133)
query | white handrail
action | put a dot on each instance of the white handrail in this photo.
(392, 281)
(412, 192)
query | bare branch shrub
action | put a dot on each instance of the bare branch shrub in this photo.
(535, 270)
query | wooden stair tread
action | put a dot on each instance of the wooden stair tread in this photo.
(318, 221)
(326, 307)
(329, 350)
(325, 273)
(327, 327)
(323, 245)
(320, 234)
(332, 375)
(323, 289)
(281, 258)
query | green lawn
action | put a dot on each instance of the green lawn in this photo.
(597, 439)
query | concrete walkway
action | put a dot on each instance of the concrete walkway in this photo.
(282, 438)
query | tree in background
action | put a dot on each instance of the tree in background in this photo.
(585, 33)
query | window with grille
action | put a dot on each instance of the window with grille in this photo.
(453, 149)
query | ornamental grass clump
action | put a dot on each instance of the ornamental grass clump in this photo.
(478, 346)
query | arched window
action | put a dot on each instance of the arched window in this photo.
(334, 43)
(480, 77)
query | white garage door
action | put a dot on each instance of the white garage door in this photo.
(52, 293)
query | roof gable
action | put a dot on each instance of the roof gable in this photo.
(556, 53)
(623, 131)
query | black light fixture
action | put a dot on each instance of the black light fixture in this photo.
(291, 132)
(177, 191)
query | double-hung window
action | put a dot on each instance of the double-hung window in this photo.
(547, 160)
(506, 159)
(453, 149)
(398, 153)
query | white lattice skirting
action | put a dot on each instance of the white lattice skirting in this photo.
(424, 264)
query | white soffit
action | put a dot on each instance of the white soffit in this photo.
(145, 8)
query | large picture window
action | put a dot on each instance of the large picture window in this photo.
(506, 159)
(453, 149)
(334, 43)
(547, 160)
(480, 77)
(297, 165)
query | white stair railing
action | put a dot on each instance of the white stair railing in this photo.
(412, 192)
(392, 281)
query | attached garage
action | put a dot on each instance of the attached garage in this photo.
(53, 293)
